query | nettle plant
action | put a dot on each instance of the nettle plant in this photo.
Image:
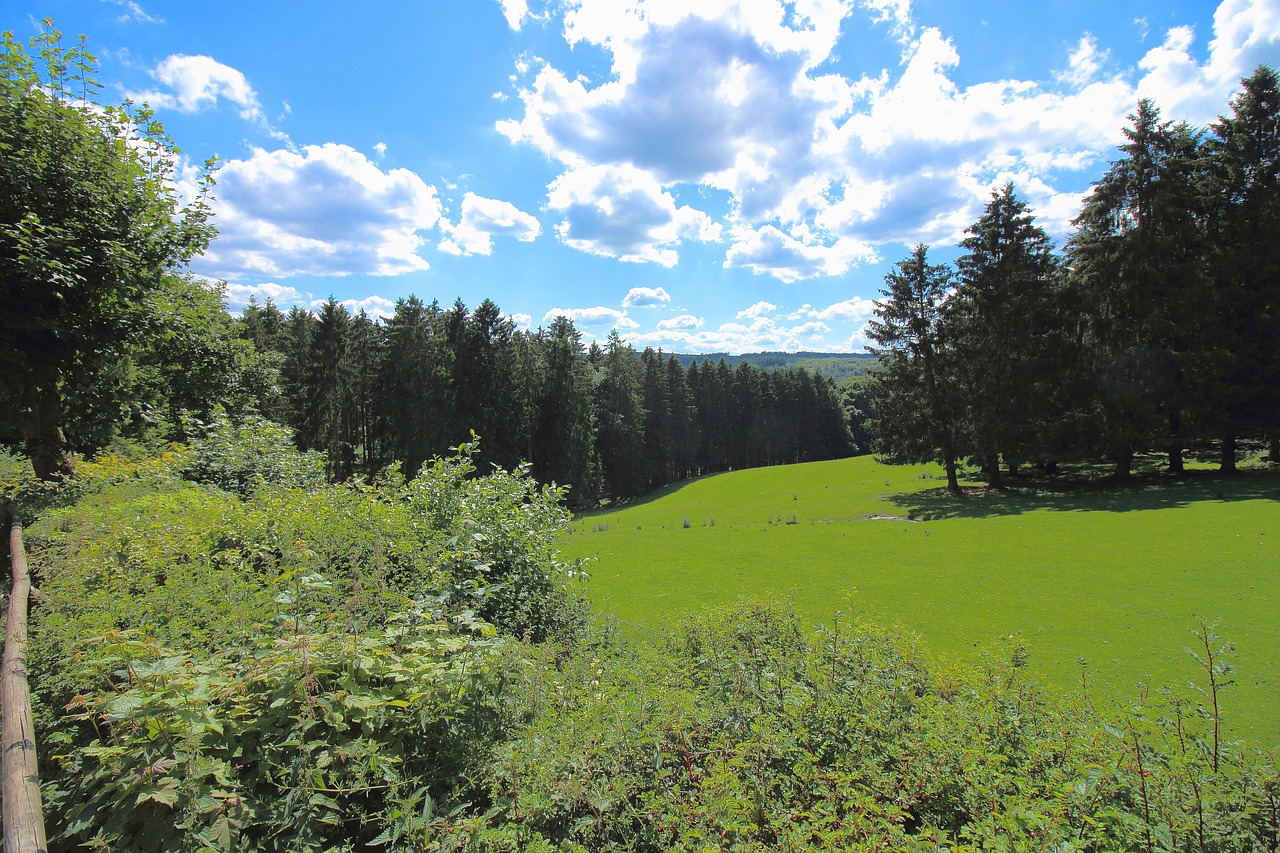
(275, 663)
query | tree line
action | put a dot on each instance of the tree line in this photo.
(607, 421)
(1155, 329)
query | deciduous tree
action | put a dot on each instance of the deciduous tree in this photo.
(90, 225)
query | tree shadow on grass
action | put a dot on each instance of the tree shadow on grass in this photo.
(1141, 492)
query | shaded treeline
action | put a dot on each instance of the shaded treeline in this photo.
(1157, 329)
(604, 420)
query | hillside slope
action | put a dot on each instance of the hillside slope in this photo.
(1117, 578)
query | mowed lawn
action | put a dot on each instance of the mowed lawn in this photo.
(1116, 577)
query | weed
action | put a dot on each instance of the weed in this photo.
(686, 523)
(791, 518)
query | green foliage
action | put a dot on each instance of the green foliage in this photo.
(242, 457)
(747, 732)
(303, 740)
(280, 663)
(91, 224)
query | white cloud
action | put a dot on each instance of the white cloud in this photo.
(324, 210)
(482, 218)
(759, 309)
(597, 316)
(1085, 62)
(769, 250)
(134, 12)
(197, 82)
(238, 295)
(621, 212)
(761, 334)
(380, 149)
(682, 322)
(646, 297)
(515, 11)
(1246, 33)
(821, 166)
(377, 307)
(522, 321)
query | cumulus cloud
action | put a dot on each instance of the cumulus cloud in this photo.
(761, 334)
(621, 212)
(377, 307)
(522, 321)
(197, 82)
(824, 161)
(194, 83)
(599, 316)
(323, 210)
(683, 322)
(515, 11)
(482, 218)
(646, 297)
(759, 309)
(239, 295)
(769, 250)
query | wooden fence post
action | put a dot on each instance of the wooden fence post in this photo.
(23, 812)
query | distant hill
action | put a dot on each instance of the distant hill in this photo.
(837, 365)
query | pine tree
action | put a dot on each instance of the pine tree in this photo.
(415, 385)
(915, 393)
(1138, 261)
(999, 324)
(1244, 167)
(564, 435)
(619, 415)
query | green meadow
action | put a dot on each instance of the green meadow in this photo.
(1116, 577)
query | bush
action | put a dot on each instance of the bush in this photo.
(280, 665)
(749, 733)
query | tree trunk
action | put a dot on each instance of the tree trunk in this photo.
(1176, 464)
(953, 484)
(1124, 465)
(45, 443)
(994, 478)
(1273, 449)
(1228, 464)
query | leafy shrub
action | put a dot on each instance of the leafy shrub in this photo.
(306, 741)
(242, 457)
(239, 664)
(749, 733)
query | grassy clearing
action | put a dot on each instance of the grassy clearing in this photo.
(1116, 577)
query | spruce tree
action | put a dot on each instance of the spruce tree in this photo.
(915, 394)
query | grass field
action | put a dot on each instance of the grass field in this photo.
(1116, 577)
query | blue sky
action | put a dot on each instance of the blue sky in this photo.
(719, 175)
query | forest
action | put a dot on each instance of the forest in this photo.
(605, 421)
(299, 584)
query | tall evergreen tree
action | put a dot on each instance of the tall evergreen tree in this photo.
(619, 415)
(363, 359)
(295, 370)
(326, 421)
(1244, 165)
(564, 434)
(915, 393)
(999, 324)
(415, 384)
(1138, 259)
